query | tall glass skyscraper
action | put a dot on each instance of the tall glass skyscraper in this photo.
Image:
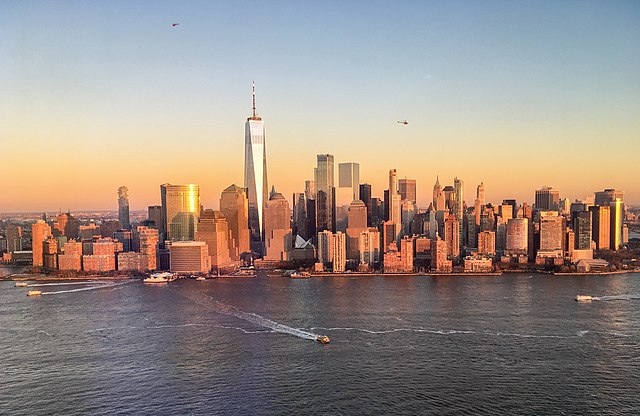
(255, 175)
(123, 207)
(180, 211)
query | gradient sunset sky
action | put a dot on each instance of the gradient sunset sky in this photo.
(99, 94)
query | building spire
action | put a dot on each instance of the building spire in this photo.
(253, 90)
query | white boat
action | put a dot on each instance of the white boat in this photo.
(584, 298)
(200, 278)
(21, 284)
(160, 278)
(34, 293)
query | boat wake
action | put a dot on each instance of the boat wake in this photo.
(82, 289)
(632, 296)
(262, 321)
(68, 283)
(448, 332)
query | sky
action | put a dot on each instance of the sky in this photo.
(99, 94)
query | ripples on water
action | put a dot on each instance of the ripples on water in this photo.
(507, 345)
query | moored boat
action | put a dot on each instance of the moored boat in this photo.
(163, 277)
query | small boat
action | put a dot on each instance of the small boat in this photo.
(584, 298)
(200, 278)
(21, 284)
(323, 339)
(34, 293)
(159, 278)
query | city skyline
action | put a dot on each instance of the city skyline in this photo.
(516, 96)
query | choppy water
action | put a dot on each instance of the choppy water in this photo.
(515, 344)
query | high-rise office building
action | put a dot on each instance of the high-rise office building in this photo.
(277, 229)
(356, 224)
(349, 177)
(324, 181)
(487, 242)
(458, 201)
(235, 207)
(517, 239)
(452, 235)
(547, 199)
(480, 193)
(300, 222)
(395, 201)
(439, 255)
(213, 229)
(601, 226)
(180, 211)
(40, 231)
(369, 246)
(123, 207)
(438, 196)
(255, 175)
(552, 227)
(617, 210)
(14, 238)
(365, 196)
(147, 244)
(125, 237)
(310, 189)
(582, 230)
(189, 257)
(154, 213)
(606, 197)
(339, 252)
(325, 247)
(407, 189)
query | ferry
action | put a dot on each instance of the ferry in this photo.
(323, 339)
(300, 275)
(584, 298)
(34, 293)
(160, 278)
(21, 284)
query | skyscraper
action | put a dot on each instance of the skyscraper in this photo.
(356, 224)
(235, 207)
(349, 177)
(616, 209)
(458, 204)
(480, 193)
(180, 211)
(123, 207)
(547, 199)
(438, 198)
(213, 229)
(407, 189)
(601, 229)
(277, 229)
(395, 208)
(324, 182)
(365, 196)
(40, 231)
(14, 238)
(255, 175)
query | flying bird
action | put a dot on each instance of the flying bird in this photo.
(174, 24)
(405, 122)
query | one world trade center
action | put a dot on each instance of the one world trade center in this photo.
(255, 175)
